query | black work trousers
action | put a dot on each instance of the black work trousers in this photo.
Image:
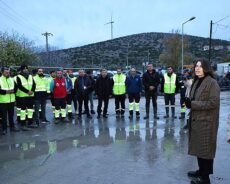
(40, 102)
(120, 100)
(60, 103)
(170, 98)
(102, 99)
(7, 113)
(148, 96)
(83, 98)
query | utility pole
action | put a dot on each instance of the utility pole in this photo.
(210, 42)
(46, 34)
(111, 23)
(148, 56)
(210, 37)
(127, 59)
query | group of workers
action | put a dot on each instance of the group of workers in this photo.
(29, 93)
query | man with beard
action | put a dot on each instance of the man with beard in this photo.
(40, 96)
(119, 91)
(26, 88)
(103, 89)
(151, 80)
(82, 86)
(59, 88)
(7, 100)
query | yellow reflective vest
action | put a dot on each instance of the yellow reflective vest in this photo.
(41, 84)
(26, 83)
(7, 84)
(170, 83)
(119, 87)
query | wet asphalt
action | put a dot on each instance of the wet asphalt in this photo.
(109, 151)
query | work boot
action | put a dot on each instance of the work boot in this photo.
(137, 114)
(92, 112)
(194, 174)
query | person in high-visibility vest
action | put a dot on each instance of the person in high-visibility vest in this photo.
(26, 88)
(7, 100)
(169, 88)
(119, 91)
(40, 96)
(49, 79)
(134, 88)
(73, 92)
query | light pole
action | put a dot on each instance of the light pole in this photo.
(182, 44)
(127, 58)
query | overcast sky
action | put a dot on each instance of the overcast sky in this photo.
(79, 22)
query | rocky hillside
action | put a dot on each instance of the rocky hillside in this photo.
(135, 49)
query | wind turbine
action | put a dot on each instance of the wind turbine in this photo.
(111, 23)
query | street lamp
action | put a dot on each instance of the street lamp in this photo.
(182, 44)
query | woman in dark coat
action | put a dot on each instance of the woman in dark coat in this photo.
(204, 102)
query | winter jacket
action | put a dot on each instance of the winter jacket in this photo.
(204, 118)
(152, 79)
(104, 86)
(82, 86)
(133, 84)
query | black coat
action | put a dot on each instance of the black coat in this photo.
(78, 86)
(91, 89)
(104, 86)
(151, 80)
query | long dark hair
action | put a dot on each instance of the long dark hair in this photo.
(206, 65)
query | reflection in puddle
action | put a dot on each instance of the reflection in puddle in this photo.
(161, 136)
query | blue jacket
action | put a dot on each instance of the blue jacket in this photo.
(133, 84)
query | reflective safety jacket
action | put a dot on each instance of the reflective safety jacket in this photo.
(6, 84)
(169, 83)
(119, 87)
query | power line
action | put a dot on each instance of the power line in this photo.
(9, 12)
(221, 19)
